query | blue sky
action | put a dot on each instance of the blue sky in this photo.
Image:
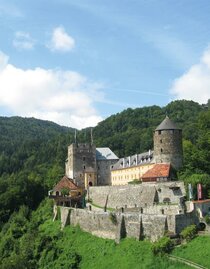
(76, 62)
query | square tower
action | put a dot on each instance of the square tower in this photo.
(81, 160)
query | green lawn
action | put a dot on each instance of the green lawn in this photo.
(198, 251)
(97, 253)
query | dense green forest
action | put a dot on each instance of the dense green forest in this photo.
(32, 157)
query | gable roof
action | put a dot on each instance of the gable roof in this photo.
(105, 154)
(167, 124)
(65, 182)
(158, 170)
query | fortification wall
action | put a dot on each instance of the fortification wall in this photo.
(141, 195)
(165, 209)
(101, 224)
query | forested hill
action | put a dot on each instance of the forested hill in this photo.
(33, 152)
(32, 158)
(32, 155)
(131, 131)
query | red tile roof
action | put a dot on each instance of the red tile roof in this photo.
(65, 182)
(158, 170)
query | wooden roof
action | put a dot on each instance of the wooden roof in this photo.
(158, 170)
(67, 183)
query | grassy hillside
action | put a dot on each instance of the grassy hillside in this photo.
(37, 242)
(197, 251)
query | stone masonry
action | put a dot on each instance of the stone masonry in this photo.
(141, 195)
(133, 225)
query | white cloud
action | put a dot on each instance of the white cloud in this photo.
(65, 97)
(3, 60)
(61, 41)
(195, 83)
(23, 41)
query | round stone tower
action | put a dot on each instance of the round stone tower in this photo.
(168, 144)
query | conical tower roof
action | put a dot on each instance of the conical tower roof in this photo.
(167, 124)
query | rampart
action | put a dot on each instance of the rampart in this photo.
(127, 224)
(141, 195)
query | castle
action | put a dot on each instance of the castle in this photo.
(146, 210)
(87, 165)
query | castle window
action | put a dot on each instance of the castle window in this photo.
(159, 132)
(83, 158)
(84, 167)
(161, 150)
(161, 141)
(98, 167)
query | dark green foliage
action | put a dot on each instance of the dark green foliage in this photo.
(135, 181)
(113, 218)
(162, 246)
(32, 157)
(207, 219)
(189, 233)
(65, 191)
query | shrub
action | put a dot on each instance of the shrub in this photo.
(162, 246)
(65, 192)
(113, 218)
(207, 219)
(135, 181)
(189, 232)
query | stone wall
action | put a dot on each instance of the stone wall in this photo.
(81, 158)
(163, 209)
(141, 195)
(137, 226)
(104, 172)
(168, 147)
(133, 224)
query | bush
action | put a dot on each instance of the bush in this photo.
(135, 181)
(65, 192)
(207, 219)
(162, 246)
(189, 233)
(113, 218)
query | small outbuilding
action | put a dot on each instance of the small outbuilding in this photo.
(67, 193)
